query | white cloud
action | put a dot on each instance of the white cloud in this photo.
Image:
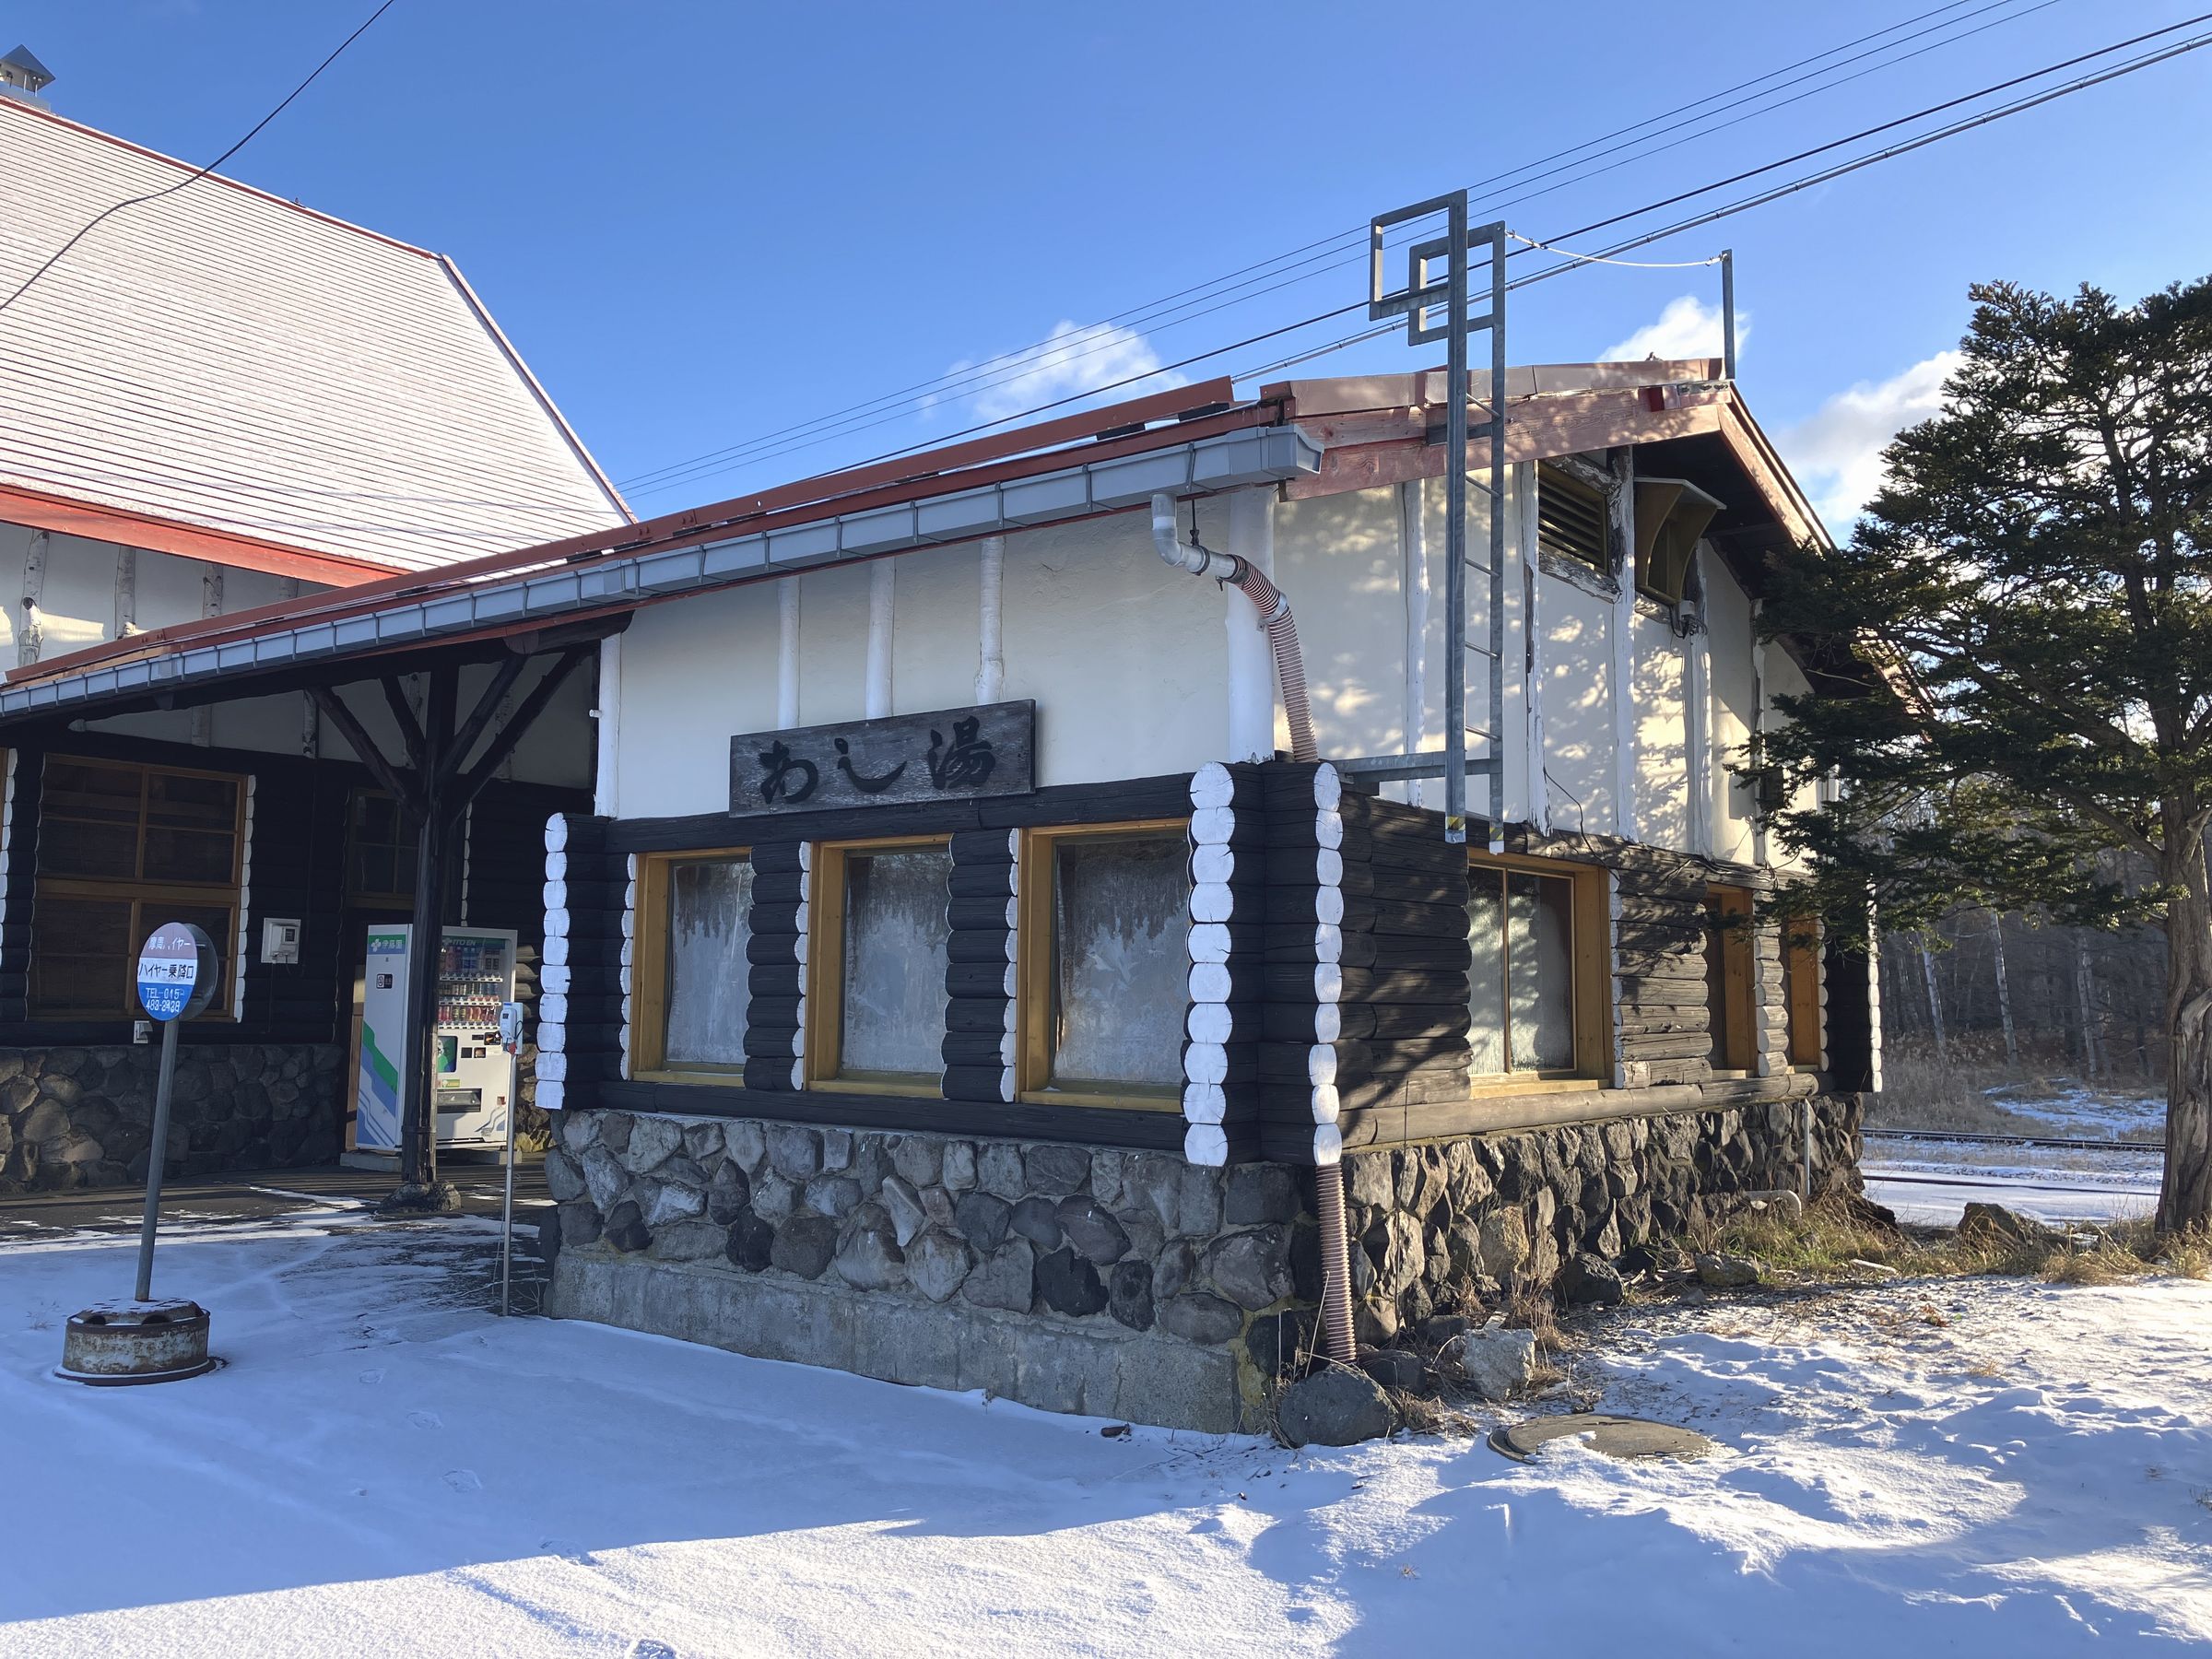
(1073, 358)
(1687, 328)
(1836, 451)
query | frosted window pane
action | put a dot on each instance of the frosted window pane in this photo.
(1485, 975)
(1539, 944)
(895, 932)
(709, 919)
(1121, 959)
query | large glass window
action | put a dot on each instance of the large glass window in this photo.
(693, 983)
(122, 849)
(1106, 951)
(877, 1000)
(1521, 990)
(381, 844)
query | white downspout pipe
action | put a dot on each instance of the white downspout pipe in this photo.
(606, 790)
(787, 652)
(1291, 670)
(991, 653)
(880, 615)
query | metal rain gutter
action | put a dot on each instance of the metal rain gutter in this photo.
(1226, 460)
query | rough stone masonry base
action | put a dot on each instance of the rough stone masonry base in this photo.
(1121, 1284)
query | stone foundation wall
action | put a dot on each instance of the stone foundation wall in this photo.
(1122, 1284)
(77, 1117)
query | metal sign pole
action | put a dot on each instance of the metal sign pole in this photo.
(511, 1039)
(156, 1155)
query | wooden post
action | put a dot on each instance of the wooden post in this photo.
(1927, 969)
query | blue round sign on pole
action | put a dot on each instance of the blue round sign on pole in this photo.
(175, 972)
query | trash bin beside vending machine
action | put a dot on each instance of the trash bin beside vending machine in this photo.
(475, 1076)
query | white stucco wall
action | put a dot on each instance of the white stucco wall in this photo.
(1660, 689)
(1728, 623)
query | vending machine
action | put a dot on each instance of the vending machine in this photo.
(474, 1075)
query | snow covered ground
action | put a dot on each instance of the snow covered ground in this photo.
(1975, 1466)
(1933, 1182)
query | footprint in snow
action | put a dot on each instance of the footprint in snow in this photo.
(372, 1376)
(426, 1419)
(568, 1550)
(464, 1480)
(645, 1647)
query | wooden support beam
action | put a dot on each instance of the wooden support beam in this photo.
(333, 708)
(403, 714)
(488, 705)
(502, 743)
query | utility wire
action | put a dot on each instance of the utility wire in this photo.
(2081, 84)
(791, 439)
(55, 257)
(1105, 333)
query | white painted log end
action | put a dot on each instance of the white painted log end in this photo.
(1012, 914)
(1212, 903)
(1205, 1144)
(628, 951)
(556, 924)
(556, 833)
(629, 867)
(626, 982)
(1328, 867)
(798, 1073)
(1328, 786)
(1014, 844)
(798, 949)
(553, 1006)
(552, 1039)
(1209, 942)
(1328, 943)
(1328, 1023)
(805, 856)
(1204, 1102)
(1328, 983)
(556, 950)
(557, 866)
(1328, 906)
(1205, 1063)
(1208, 1022)
(552, 1068)
(1213, 785)
(551, 979)
(1005, 1086)
(1213, 866)
(1328, 829)
(1213, 826)
(1209, 981)
(629, 895)
(552, 1095)
(556, 895)
(1320, 1065)
(1009, 984)
(1327, 1104)
(629, 923)
(1328, 1145)
(801, 917)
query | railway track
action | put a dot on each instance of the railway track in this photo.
(1956, 1137)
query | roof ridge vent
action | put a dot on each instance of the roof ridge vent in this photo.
(23, 77)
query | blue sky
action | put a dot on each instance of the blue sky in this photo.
(705, 223)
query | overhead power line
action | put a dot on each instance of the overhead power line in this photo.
(56, 256)
(2065, 90)
(1330, 251)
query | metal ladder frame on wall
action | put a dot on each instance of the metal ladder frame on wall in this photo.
(1422, 296)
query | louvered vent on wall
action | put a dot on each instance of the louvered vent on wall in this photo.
(1571, 520)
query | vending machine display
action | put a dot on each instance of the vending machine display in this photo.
(473, 1076)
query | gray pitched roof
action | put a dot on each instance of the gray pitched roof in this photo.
(224, 359)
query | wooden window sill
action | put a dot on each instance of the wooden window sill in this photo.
(921, 1089)
(1113, 1102)
(1483, 1088)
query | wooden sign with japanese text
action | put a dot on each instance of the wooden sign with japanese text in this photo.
(951, 755)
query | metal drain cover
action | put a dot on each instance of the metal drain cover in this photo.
(1615, 1436)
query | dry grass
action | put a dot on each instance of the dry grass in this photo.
(1835, 1240)
(1919, 1093)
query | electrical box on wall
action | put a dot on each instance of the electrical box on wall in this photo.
(280, 940)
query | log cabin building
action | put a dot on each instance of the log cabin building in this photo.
(953, 977)
(221, 401)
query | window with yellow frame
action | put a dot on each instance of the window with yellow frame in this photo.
(875, 965)
(1538, 987)
(690, 980)
(1801, 991)
(1105, 964)
(1729, 977)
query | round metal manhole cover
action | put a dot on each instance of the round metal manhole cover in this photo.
(1615, 1436)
